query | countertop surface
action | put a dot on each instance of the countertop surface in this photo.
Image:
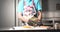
(21, 28)
(32, 28)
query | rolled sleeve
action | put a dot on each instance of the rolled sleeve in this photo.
(38, 5)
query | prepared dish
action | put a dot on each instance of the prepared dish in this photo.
(27, 26)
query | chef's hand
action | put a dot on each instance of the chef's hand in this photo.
(26, 20)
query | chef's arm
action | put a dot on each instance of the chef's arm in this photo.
(39, 15)
(20, 17)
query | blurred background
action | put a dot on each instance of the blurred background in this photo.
(7, 13)
(8, 17)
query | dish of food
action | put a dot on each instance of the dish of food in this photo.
(27, 26)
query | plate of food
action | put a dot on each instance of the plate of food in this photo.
(23, 28)
(30, 28)
(27, 26)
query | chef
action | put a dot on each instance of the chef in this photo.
(28, 9)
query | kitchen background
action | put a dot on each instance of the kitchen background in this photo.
(8, 9)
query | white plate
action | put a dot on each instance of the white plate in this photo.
(33, 28)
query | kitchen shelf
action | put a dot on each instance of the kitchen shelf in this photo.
(52, 21)
(48, 22)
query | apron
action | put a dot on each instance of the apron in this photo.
(29, 11)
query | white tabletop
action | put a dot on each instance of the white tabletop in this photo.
(33, 28)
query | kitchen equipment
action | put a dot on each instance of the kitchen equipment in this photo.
(56, 25)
